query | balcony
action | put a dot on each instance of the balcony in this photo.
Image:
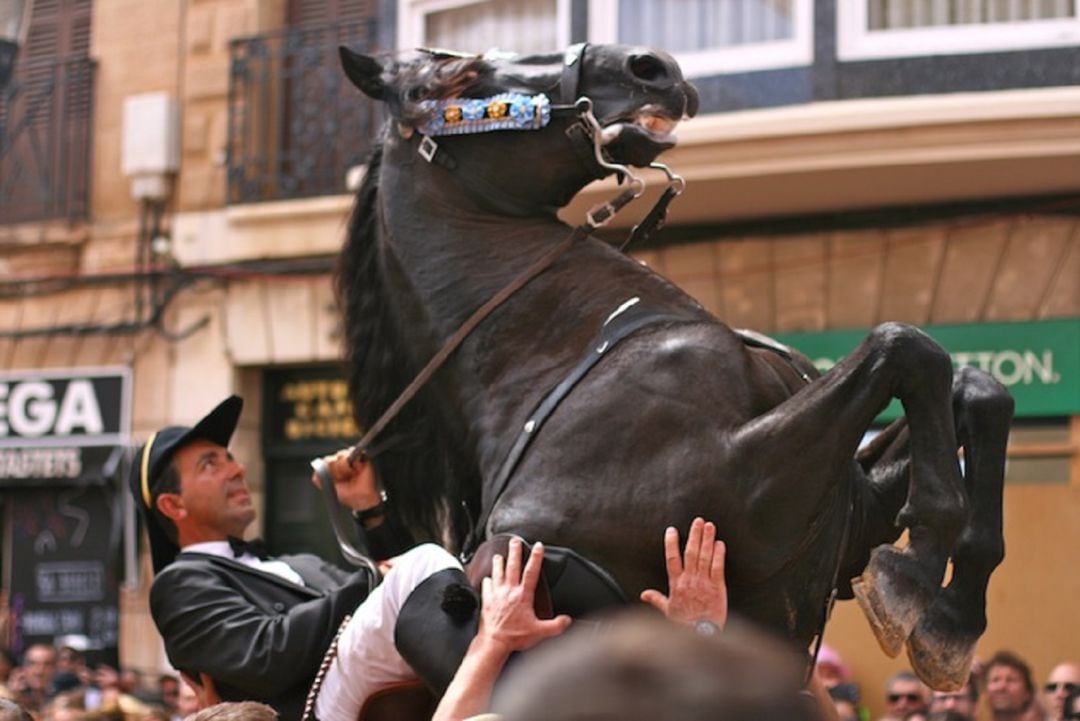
(45, 117)
(296, 125)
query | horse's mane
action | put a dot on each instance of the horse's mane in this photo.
(414, 457)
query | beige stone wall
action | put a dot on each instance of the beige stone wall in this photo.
(207, 28)
(990, 268)
(136, 46)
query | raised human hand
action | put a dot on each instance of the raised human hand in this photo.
(696, 586)
(507, 616)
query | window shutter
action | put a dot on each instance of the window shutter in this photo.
(322, 12)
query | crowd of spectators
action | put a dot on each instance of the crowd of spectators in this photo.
(55, 683)
(1002, 688)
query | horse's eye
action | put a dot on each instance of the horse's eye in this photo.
(647, 67)
(416, 94)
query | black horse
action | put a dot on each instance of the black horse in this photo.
(681, 416)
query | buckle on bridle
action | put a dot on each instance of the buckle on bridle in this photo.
(428, 148)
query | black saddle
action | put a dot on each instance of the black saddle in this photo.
(439, 619)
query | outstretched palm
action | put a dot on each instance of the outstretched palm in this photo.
(695, 578)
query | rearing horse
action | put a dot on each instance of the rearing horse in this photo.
(675, 415)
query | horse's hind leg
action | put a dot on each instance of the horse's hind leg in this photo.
(943, 643)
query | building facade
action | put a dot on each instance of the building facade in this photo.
(174, 184)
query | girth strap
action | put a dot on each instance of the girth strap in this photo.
(629, 318)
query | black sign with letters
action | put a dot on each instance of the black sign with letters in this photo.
(62, 440)
(74, 407)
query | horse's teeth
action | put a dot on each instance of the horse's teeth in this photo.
(656, 124)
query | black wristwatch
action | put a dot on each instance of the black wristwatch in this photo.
(379, 509)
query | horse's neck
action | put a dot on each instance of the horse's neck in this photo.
(446, 252)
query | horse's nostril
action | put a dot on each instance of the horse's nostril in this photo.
(648, 67)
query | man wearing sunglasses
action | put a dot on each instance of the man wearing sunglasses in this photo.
(1064, 681)
(905, 694)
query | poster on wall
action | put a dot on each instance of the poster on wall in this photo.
(64, 576)
(63, 435)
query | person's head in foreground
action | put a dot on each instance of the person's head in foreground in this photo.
(235, 711)
(645, 667)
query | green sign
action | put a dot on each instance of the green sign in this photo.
(1039, 362)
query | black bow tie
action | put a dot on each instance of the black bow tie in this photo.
(256, 547)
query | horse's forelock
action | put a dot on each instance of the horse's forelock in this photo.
(438, 79)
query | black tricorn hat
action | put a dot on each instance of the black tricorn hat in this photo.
(154, 456)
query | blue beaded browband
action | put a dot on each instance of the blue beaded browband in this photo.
(505, 111)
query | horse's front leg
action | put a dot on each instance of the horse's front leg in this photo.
(943, 642)
(942, 645)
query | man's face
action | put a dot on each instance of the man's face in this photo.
(40, 665)
(956, 701)
(214, 492)
(1065, 678)
(1005, 689)
(904, 697)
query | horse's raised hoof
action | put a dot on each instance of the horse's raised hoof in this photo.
(893, 595)
(942, 646)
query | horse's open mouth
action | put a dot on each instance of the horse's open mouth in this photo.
(653, 120)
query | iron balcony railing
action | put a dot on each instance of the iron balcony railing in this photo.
(45, 117)
(296, 124)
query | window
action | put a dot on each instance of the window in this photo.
(522, 26)
(868, 29)
(711, 36)
(296, 125)
(45, 117)
(706, 36)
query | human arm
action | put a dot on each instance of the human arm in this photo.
(696, 587)
(244, 631)
(508, 623)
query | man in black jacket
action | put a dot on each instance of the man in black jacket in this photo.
(258, 628)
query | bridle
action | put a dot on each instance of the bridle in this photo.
(586, 130)
(518, 111)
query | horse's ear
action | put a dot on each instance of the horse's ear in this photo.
(365, 72)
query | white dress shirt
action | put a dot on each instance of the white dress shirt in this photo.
(223, 549)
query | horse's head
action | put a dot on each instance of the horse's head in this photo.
(636, 96)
